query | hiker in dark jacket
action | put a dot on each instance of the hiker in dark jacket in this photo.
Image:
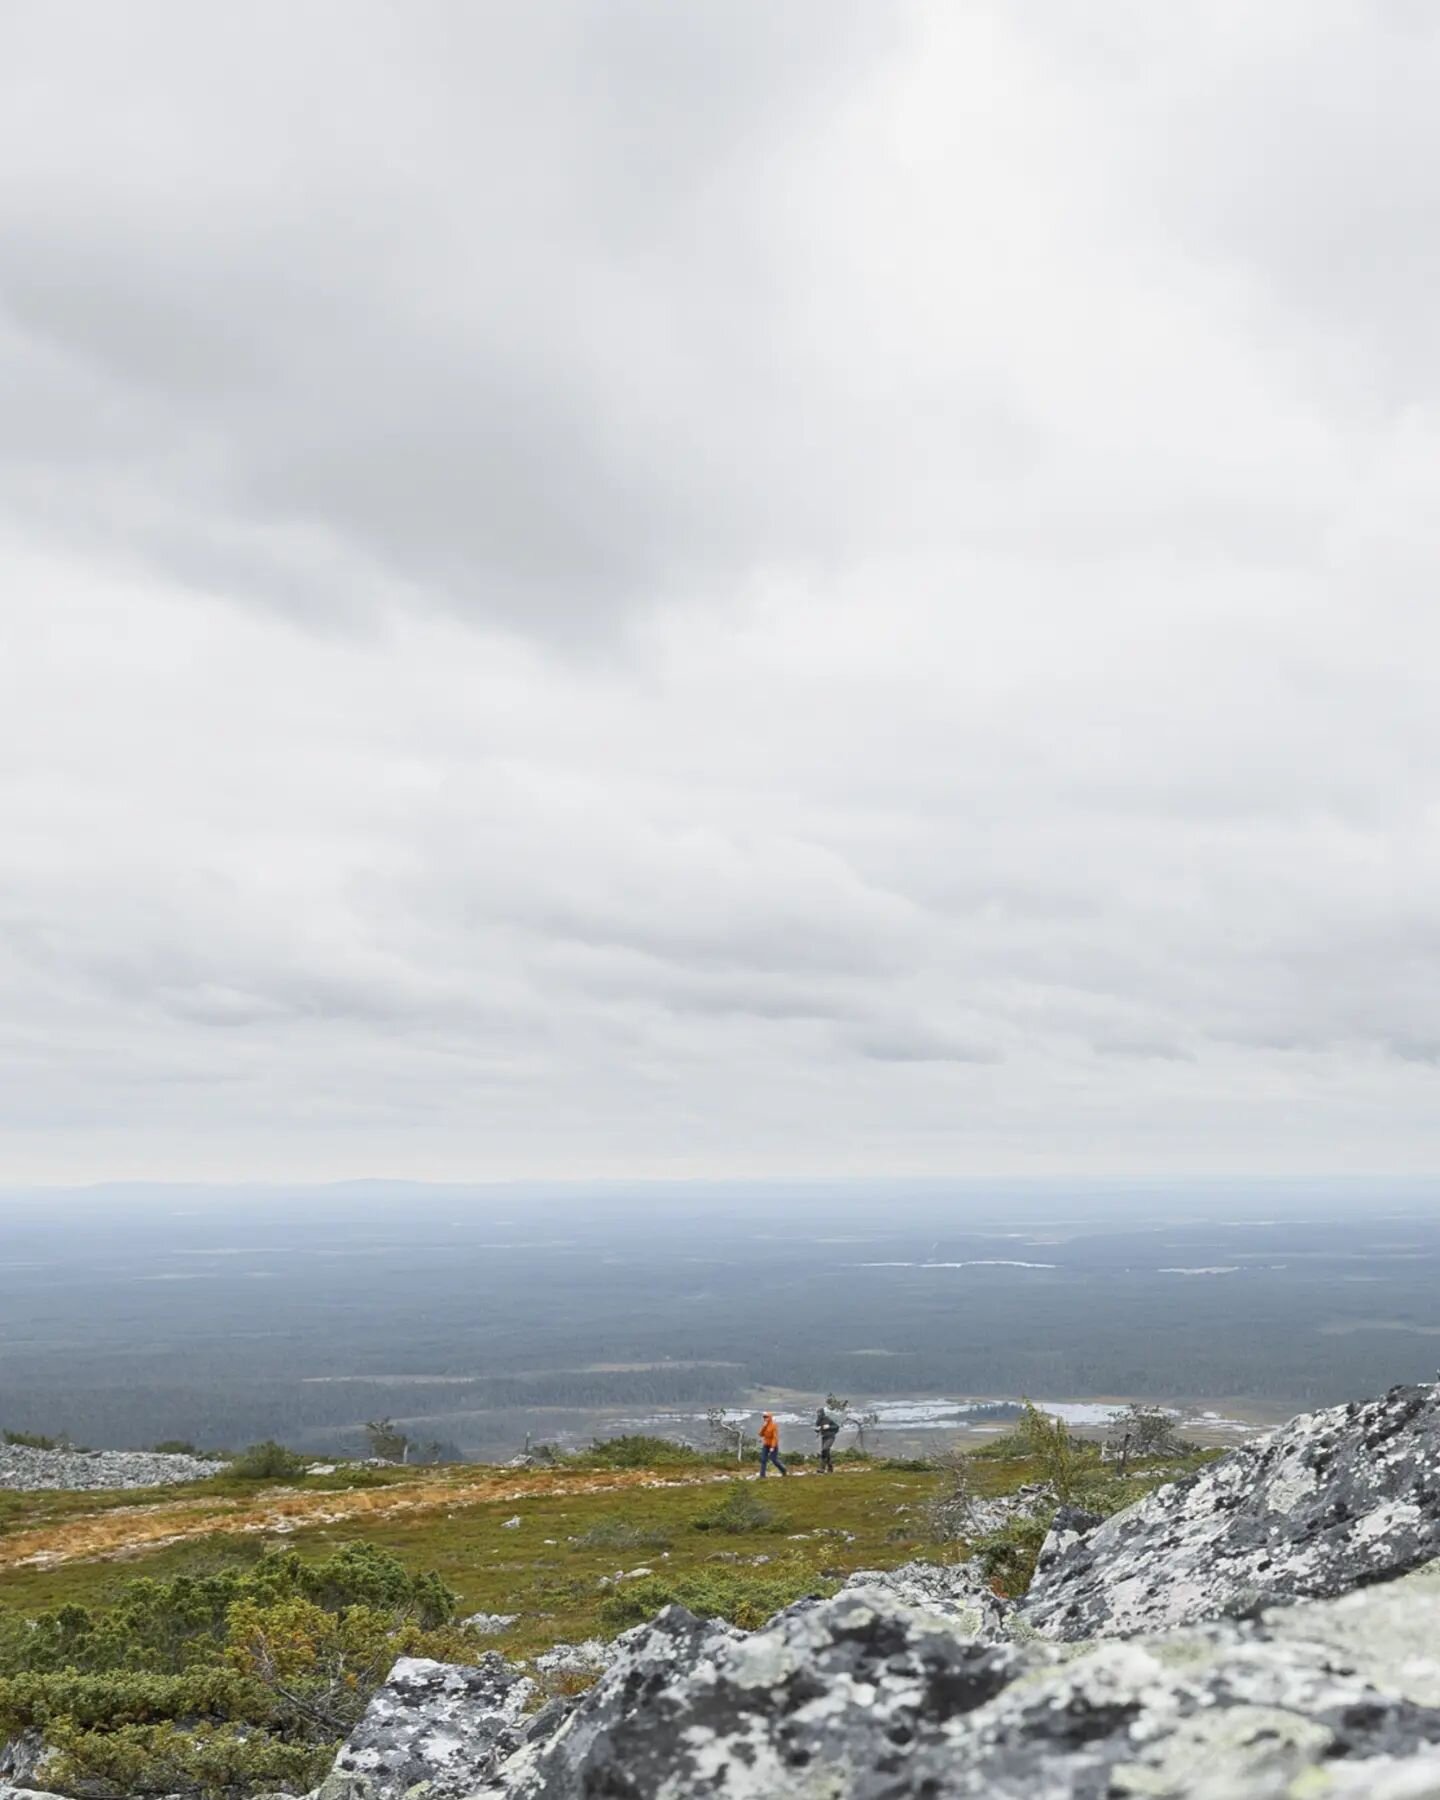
(829, 1431)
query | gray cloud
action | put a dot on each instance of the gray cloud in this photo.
(916, 1043)
(468, 296)
(632, 589)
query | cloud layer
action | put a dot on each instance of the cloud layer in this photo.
(619, 589)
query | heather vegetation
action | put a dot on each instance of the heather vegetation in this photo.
(234, 1680)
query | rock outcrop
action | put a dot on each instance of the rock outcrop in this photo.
(958, 1592)
(684, 1711)
(1267, 1629)
(21, 1757)
(439, 1723)
(29, 1469)
(866, 1697)
(1330, 1502)
(1067, 1527)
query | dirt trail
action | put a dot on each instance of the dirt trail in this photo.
(124, 1531)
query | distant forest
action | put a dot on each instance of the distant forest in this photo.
(271, 1321)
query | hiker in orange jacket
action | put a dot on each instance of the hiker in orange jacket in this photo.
(770, 1445)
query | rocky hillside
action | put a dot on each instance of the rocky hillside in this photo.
(1266, 1627)
(1201, 1662)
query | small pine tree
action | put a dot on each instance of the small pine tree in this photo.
(387, 1441)
(1048, 1440)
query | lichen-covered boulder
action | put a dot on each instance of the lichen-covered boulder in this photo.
(1332, 1501)
(845, 1685)
(1264, 1709)
(866, 1698)
(1068, 1526)
(576, 1662)
(439, 1723)
(959, 1592)
(21, 1757)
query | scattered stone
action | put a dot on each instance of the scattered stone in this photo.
(489, 1624)
(587, 1658)
(609, 1581)
(31, 1471)
(1332, 1501)
(439, 1723)
(511, 1524)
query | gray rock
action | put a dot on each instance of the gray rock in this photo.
(1332, 1501)
(1250, 1710)
(959, 1592)
(585, 1659)
(580, 1748)
(870, 1699)
(437, 1723)
(338, 1786)
(489, 1624)
(1069, 1525)
(21, 1757)
(33, 1470)
(1386, 1778)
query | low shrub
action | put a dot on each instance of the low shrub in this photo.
(203, 1760)
(1063, 1460)
(32, 1440)
(744, 1598)
(739, 1512)
(1009, 1446)
(950, 1511)
(636, 1451)
(1007, 1555)
(224, 1683)
(268, 1462)
(616, 1533)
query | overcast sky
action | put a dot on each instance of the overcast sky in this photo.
(644, 588)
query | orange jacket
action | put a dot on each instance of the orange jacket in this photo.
(770, 1433)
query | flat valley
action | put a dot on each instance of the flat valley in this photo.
(480, 1318)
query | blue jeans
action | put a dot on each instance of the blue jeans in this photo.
(767, 1455)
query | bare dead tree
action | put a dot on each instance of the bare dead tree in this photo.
(725, 1432)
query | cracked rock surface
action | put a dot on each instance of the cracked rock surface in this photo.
(867, 1698)
(1332, 1501)
(436, 1722)
(958, 1591)
(846, 1683)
